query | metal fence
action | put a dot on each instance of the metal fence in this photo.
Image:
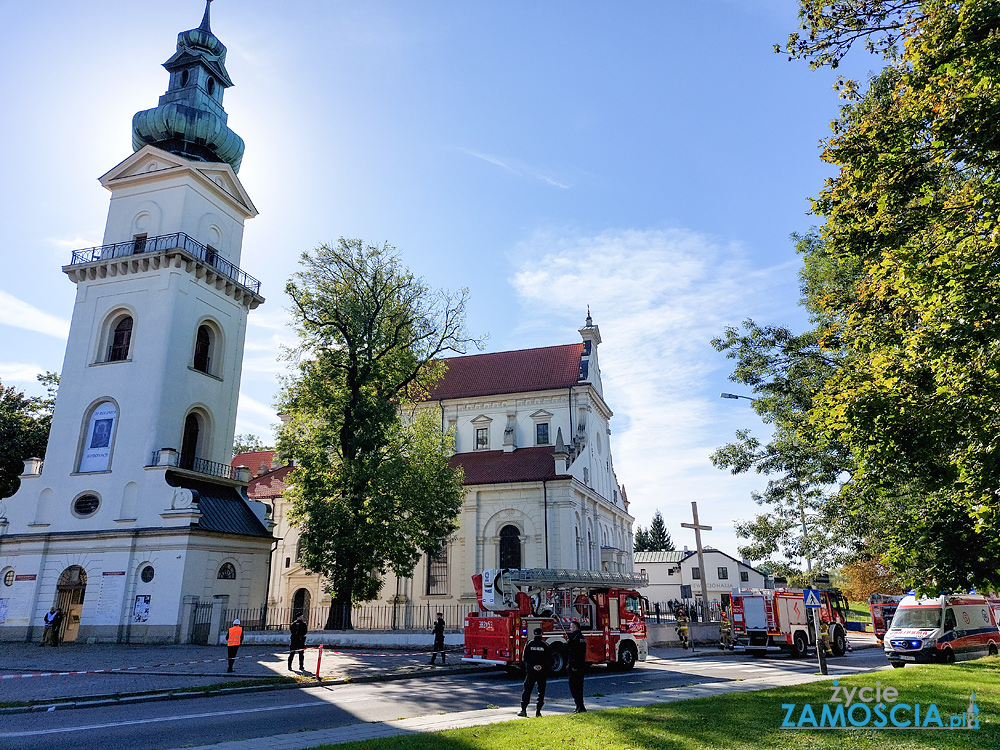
(663, 612)
(165, 243)
(409, 616)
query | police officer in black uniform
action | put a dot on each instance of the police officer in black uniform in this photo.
(438, 632)
(577, 658)
(536, 663)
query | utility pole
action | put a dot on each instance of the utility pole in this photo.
(698, 528)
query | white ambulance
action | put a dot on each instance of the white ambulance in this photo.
(941, 629)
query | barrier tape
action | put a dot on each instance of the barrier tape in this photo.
(199, 661)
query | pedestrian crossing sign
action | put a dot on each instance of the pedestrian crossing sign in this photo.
(810, 598)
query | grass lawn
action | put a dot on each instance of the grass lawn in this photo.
(746, 721)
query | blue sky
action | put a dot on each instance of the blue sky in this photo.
(649, 159)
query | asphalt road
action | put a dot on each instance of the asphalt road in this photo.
(201, 721)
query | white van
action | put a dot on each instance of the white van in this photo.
(941, 629)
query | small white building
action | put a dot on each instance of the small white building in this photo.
(668, 571)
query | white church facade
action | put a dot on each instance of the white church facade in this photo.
(135, 520)
(532, 435)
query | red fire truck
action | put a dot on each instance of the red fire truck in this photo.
(774, 620)
(882, 607)
(513, 602)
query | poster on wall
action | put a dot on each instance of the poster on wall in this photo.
(141, 611)
(3, 609)
(97, 446)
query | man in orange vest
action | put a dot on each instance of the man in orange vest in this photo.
(234, 642)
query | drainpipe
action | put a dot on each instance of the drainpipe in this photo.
(545, 505)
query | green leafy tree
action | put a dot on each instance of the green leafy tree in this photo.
(900, 279)
(659, 537)
(24, 429)
(372, 489)
(249, 443)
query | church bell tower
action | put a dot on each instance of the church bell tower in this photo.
(136, 494)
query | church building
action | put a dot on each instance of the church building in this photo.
(135, 523)
(532, 435)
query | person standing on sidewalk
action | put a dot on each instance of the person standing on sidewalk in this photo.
(53, 619)
(577, 659)
(234, 641)
(298, 643)
(438, 632)
(536, 661)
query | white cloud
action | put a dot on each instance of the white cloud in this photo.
(255, 417)
(17, 371)
(659, 298)
(516, 168)
(19, 314)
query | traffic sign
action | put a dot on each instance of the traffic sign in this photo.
(810, 597)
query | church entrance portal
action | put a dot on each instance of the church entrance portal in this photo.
(300, 603)
(70, 591)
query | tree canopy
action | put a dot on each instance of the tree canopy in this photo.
(372, 489)
(654, 539)
(901, 281)
(24, 430)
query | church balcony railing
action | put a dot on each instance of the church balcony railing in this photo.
(192, 463)
(165, 243)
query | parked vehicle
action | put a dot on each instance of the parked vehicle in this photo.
(776, 620)
(941, 629)
(882, 607)
(513, 602)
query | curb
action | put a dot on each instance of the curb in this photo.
(110, 700)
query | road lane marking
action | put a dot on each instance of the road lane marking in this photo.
(153, 720)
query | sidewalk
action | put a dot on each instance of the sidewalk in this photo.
(459, 720)
(159, 672)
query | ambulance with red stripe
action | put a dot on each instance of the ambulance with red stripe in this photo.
(513, 602)
(942, 629)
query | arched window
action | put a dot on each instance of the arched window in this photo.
(298, 549)
(184, 78)
(120, 340)
(227, 572)
(98, 438)
(189, 445)
(203, 349)
(510, 547)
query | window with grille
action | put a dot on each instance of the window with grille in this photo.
(120, 340)
(227, 572)
(437, 573)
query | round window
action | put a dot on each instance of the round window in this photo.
(8, 578)
(86, 505)
(147, 574)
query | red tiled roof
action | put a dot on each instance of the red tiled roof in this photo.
(522, 370)
(494, 467)
(253, 459)
(272, 484)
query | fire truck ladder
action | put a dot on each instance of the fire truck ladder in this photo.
(546, 578)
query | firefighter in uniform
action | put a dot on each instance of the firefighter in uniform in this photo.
(682, 627)
(234, 640)
(824, 636)
(536, 662)
(725, 633)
